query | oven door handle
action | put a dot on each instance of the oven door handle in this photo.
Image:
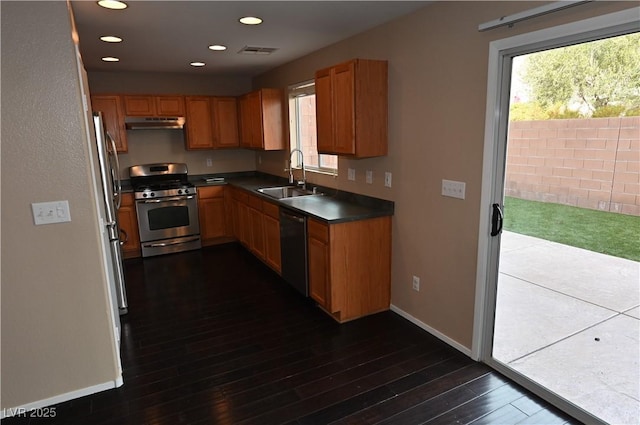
(163, 244)
(157, 201)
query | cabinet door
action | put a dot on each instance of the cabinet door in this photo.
(324, 119)
(211, 212)
(169, 106)
(318, 252)
(256, 243)
(198, 123)
(111, 109)
(128, 222)
(245, 122)
(271, 222)
(225, 122)
(140, 106)
(344, 108)
(244, 228)
(271, 121)
(255, 120)
(319, 272)
(212, 222)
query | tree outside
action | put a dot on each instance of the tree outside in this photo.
(587, 80)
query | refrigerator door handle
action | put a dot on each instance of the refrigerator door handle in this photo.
(117, 183)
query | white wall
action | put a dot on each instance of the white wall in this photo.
(56, 335)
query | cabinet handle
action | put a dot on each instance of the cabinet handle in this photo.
(497, 220)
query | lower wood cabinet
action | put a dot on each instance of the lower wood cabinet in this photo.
(128, 222)
(212, 215)
(271, 228)
(350, 266)
(257, 226)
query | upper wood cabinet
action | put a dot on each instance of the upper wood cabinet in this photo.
(262, 123)
(225, 122)
(352, 108)
(112, 114)
(350, 266)
(211, 122)
(154, 106)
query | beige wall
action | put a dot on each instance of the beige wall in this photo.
(56, 335)
(437, 94)
(148, 146)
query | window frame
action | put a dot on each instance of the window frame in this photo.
(295, 92)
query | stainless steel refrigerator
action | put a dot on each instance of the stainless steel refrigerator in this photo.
(112, 193)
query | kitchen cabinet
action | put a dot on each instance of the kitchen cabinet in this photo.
(257, 226)
(225, 122)
(113, 117)
(241, 213)
(262, 124)
(154, 106)
(256, 229)
(128, 222)
(350, 266)
(212, 215)
(271, 227)
(211, 122)
(352, 108)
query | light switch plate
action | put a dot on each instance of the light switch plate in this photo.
(369, 177)
(50, 212)
(453, 189)
(387, 179)
(351, 174)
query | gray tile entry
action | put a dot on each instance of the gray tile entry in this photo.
(569, 319)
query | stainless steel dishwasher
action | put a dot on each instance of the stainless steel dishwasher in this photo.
(293, 249)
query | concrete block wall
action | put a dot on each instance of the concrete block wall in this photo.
(590, 163)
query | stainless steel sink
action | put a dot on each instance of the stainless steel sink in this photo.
(281, 192)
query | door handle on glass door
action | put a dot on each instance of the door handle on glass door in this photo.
(497, 220)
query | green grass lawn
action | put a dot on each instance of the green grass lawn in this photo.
(598, 231)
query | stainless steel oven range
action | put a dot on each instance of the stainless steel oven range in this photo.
(167, 208)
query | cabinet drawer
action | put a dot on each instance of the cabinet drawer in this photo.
(211, 192)
(255, 203)
(318, 230)
(271, 210)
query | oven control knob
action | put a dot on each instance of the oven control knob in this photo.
(152, 194)
(180, 192)
(186, 191)
(144, 195)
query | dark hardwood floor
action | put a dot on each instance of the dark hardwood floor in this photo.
(215, 337)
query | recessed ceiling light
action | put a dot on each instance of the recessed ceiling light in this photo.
(113, 4)
(110, 59)
(250, 20)
(197, 64)
(218, 47)
(111, 39)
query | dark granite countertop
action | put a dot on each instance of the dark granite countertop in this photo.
(334, 206)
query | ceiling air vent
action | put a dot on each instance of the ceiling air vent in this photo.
(253, 50)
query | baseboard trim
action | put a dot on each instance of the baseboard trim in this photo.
(25, 408)
(464, 350)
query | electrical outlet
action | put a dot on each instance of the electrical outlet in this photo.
(416, 283)
(369, 176)
(351, 175)
(259, 159)
(453, 189)
(50, 212)
(209, 162)
(387, 179)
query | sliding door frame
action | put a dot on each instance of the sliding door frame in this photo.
(501, 53)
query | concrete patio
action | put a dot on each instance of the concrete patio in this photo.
(569, 319)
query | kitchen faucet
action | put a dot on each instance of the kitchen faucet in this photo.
(304, 174)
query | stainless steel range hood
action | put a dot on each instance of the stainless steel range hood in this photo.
(154, 123)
